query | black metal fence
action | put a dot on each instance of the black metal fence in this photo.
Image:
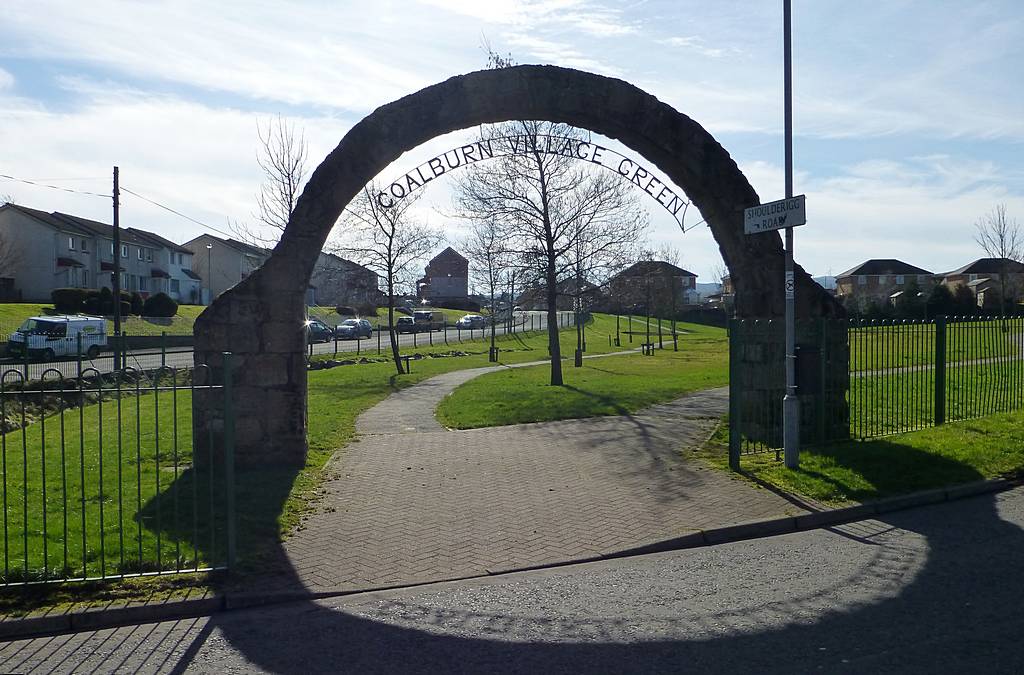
(100, 478)
(860, 379)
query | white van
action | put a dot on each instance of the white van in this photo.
(51, 336)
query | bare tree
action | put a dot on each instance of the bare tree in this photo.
(281, 156)
(1000, 237)
(603, 238)
(389, 241)
(487, 256)
(540, 201)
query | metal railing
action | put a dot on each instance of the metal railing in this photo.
(445, 335)
(861, 379)
(101, 479)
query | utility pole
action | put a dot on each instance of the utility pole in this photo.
(790, 403)
(117, 274)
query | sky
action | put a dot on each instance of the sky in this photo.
(908, 123)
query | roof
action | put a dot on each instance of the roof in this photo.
(989, 266)
(448, 253)
(978, 282)
(877, 266)
(93, 228)
(654, 268)
(192, 275)
(240, 246)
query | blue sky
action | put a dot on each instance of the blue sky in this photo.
(907, 114)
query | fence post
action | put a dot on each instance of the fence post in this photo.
(229, 459)
(163, 348)
(940, 369)
(734, 396)
(446, 332)
(378, 339)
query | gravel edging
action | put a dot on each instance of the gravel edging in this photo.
(96, 619)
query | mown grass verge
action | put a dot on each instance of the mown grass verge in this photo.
(861, 471)
(600, 387)
(270, 501)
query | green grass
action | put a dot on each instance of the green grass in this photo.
(859, 471)
(271, 501)
(897, 346)
(600, 387)
(13, 315)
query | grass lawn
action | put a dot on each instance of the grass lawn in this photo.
(13, 314)
(883, 347)
(859, 471)
(148, 524)
(600, 387)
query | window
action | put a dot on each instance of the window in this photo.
(143, 284)
(149, 255)
(124, 281)
(71, 243)
(175, 284)
(85, 246)
(138, 251)
(111, 249)
(899, 279)
(124, 250)
(861, 280)
(882, 279)
(85, 278)
(181, 258)
(972, 277)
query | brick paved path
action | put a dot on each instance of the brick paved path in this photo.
(414, 502)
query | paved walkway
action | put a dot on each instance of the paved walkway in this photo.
(412, 502)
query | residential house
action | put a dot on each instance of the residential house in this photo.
(879, 280)
(445, 282)
(222, 263)
(335, 281)
(535, 298)
(982, 278)
(60, 250)
(653, 285)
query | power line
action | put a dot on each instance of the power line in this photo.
(177, 213)
(55, 187)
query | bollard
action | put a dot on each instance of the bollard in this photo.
(446, 332)
(378, 339)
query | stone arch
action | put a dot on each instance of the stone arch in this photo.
(260, 319)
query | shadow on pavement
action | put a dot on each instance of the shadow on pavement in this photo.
(942, 619)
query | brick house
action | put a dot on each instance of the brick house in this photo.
(446, 280)
(877, 280)
(982, 278)
(60, 250)
(665, 286)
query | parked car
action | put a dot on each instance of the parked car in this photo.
(48, 337)
(318, 331)
(427, 320)
(405, 324)
(471, 321)
(353, 329)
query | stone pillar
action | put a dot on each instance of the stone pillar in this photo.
(262, 323)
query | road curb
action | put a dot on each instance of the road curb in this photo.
(96, 619)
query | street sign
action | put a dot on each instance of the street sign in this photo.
(775, 215)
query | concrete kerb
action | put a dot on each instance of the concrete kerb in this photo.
(96, 619)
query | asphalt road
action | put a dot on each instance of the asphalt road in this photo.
(177, 357)
(935, 589)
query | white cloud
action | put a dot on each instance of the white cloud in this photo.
(696, 44)
(6, 80)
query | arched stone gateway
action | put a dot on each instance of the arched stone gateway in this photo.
(261, 319)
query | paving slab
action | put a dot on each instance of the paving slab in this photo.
(411, 502)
